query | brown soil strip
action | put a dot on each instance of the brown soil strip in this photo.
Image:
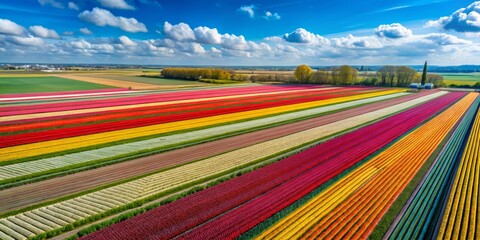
(110, 82)
(35, 193)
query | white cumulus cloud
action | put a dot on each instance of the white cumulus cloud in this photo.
(27, 41)
(73, 6)
(231, 41)
(85, 31)
(395, 30)
(124, 40)
(445, 39)
(10, 28)
(463, 20)
(271, 16)
(52, 3)
(207, 35)
(178, 32)
(103, 17)
(300, 35)
(43, 32)
(248, 10)
(116, 4)
(351, 41)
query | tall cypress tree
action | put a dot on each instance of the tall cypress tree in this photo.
(424, 74)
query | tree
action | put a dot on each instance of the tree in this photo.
(302, 73)
(335, 74)
(436, 79)
(405, 75)
(477, 85)
(320, 76)
(424, 74)
(387, 73)
(347, 75)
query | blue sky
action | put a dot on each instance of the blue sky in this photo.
(232, 32)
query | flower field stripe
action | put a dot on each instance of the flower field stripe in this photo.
(146, 99)
(257, 182)
(22, 103)
(461, 218)
(163, 96)
(356, 216)
(34, 149)
(37, 166)
(156, 160)
(112, 197)
(112, 115)
(46, 135)
(419, 215)
(370, 206)
(234, 223)
(174, 104)
(16, 117)
(4, 97)
(63, 94)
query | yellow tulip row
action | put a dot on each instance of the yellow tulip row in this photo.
(350, 208)
(35, 149)
(461, 218)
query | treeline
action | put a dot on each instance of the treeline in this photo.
(343, 75)
(197, 73)
(403, 76)
(392, 76)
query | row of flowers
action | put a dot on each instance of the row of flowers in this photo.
(460, 220)
(46, 164)
(169, 115)
(40, 124)
(103, 200)
(52, 146)
(144, 99)
(419, 217)
(282, 183)
(356, 215)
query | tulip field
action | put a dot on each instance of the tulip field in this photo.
(247, 161)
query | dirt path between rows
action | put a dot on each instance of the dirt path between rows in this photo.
(26, 195)
(111, 82)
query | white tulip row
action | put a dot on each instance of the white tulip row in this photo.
(60, 214)
(31, 167)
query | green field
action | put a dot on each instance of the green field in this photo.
(44, 84)
(461, 78)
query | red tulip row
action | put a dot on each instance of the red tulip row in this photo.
(159, 97)
(114, 115)
(32, 137)
(47, 94)
(258, 195)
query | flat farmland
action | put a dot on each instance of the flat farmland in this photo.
(461, 78)
(151, 79)
(42, 83)
(246, 161)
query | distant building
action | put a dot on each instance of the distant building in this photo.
(420, 86)
(414, 85)
(429, 86)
